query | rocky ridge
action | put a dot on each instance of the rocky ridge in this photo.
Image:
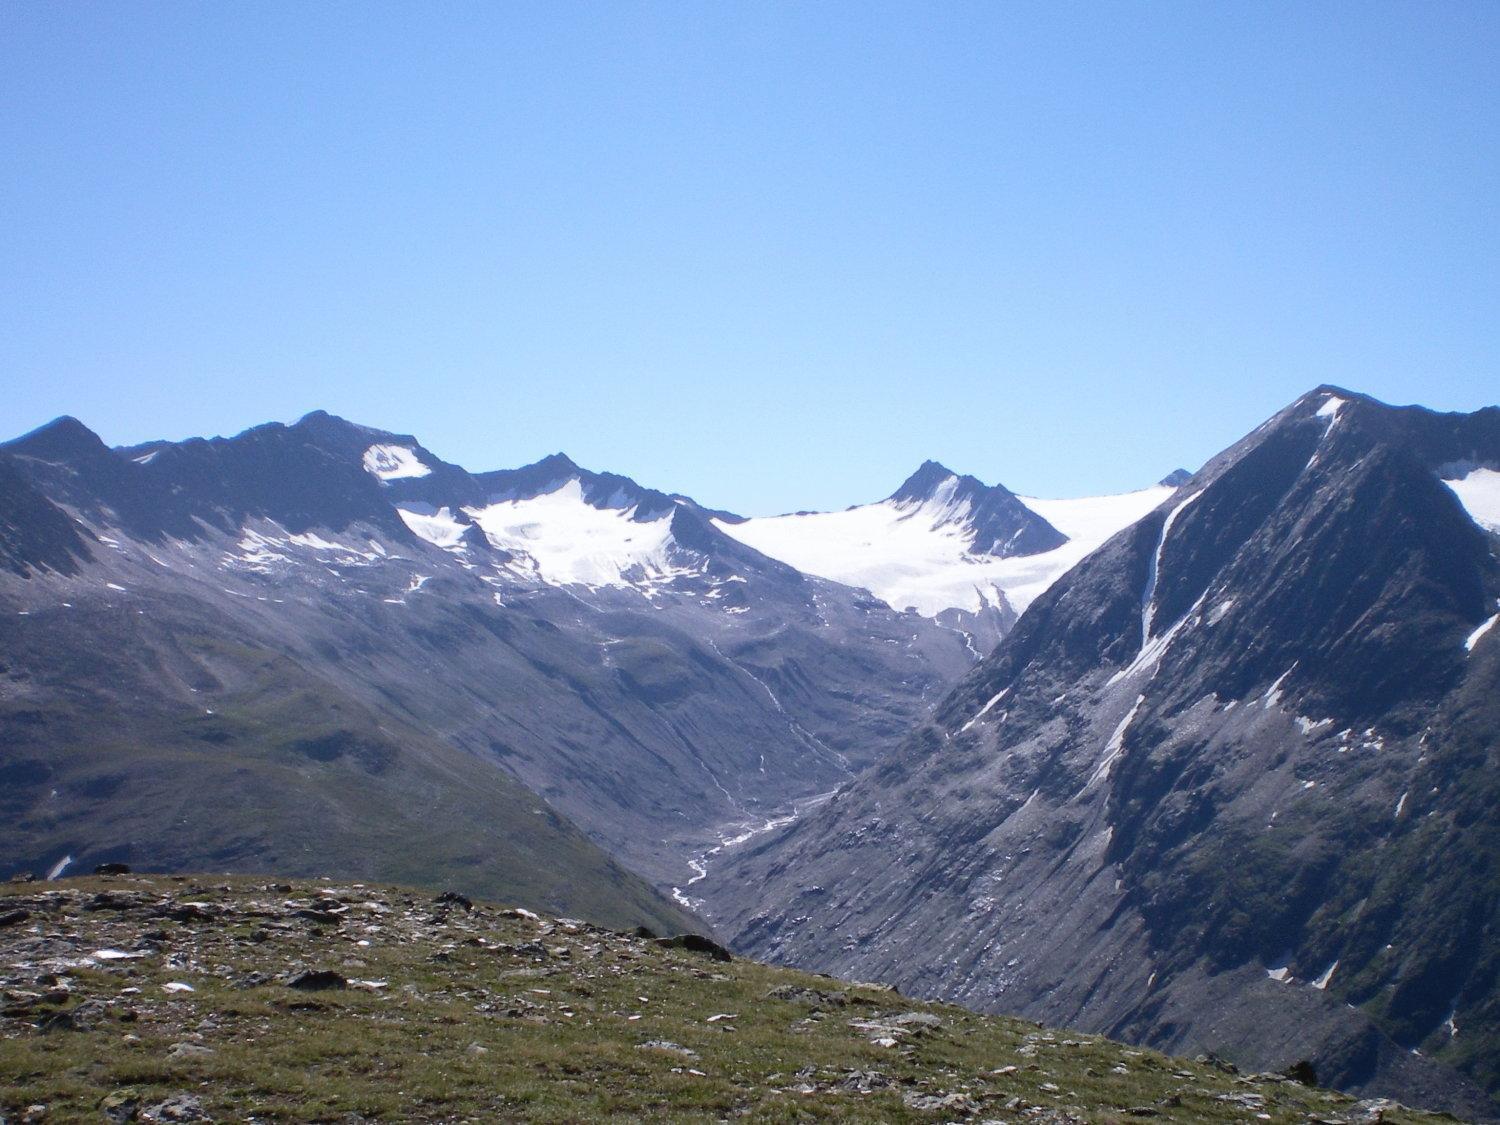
(1230, 784)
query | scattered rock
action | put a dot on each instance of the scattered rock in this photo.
(1218, 1063)
(952, 1103)
(814, 997)
(82, 1018)
(1302, 1071)
(667, 1045)
(112, 869)
(179, 1107)
(120, 1106)
(13, 917)
(696, 943)
(1372, 1111)
(453, 898)
(115, 900)
(317, 980)
(314, 914)
(188, 1051)
(863, 1082)
(924, 1020)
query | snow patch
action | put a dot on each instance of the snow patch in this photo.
(1272, 698)
(1216, 614)
(394, 462)
(1116, 743)
(1280, 974)
(1478, 491)
(1478, 634)
(917, 555)
(982, 711)
(1330, 409)
(438, 526)
(566, 541)
(1322, 982)
(1148, 598)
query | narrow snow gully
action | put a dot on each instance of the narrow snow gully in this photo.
(1148, 596)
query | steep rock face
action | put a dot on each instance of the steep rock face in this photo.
(997, 522)
(1230, 784)
(658, 683)
(34, 533)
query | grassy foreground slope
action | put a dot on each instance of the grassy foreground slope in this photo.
(189, 998)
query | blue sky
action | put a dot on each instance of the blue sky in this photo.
(771, 255)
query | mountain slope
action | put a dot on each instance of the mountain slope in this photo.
(655, 681)
(213, 998)
(152, 729)
(1229, 784)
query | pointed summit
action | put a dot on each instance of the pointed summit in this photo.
(923, 483)
(62, 439)
(998, 523)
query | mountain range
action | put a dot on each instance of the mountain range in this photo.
(341, 607)
(1230, 784)
(1208, 766)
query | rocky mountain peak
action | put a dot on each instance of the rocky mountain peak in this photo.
(924, 483)
(64, 439)
(998, 522)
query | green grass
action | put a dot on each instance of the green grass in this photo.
(489, 1015)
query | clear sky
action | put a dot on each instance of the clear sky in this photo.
(771, 255)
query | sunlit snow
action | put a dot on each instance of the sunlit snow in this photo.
(1474, 637)
(569, 542)
(1479, 492)
(916, 555)
(1330, 408)
(393, 462)
(438, 526)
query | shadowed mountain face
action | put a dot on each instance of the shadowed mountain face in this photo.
(1230, 784)
(996, 521)
(320, 648)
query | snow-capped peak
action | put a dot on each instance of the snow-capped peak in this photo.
(916, 549)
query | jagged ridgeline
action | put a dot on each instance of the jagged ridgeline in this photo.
(320, 648)
(1230, 784)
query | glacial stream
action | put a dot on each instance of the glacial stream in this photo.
(738, 833)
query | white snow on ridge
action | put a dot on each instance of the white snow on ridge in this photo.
(1478, 633)
(917, 555)
(1330, 409)
(570, 542)
(393, 462)
(1479, 492)
(440, 526)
